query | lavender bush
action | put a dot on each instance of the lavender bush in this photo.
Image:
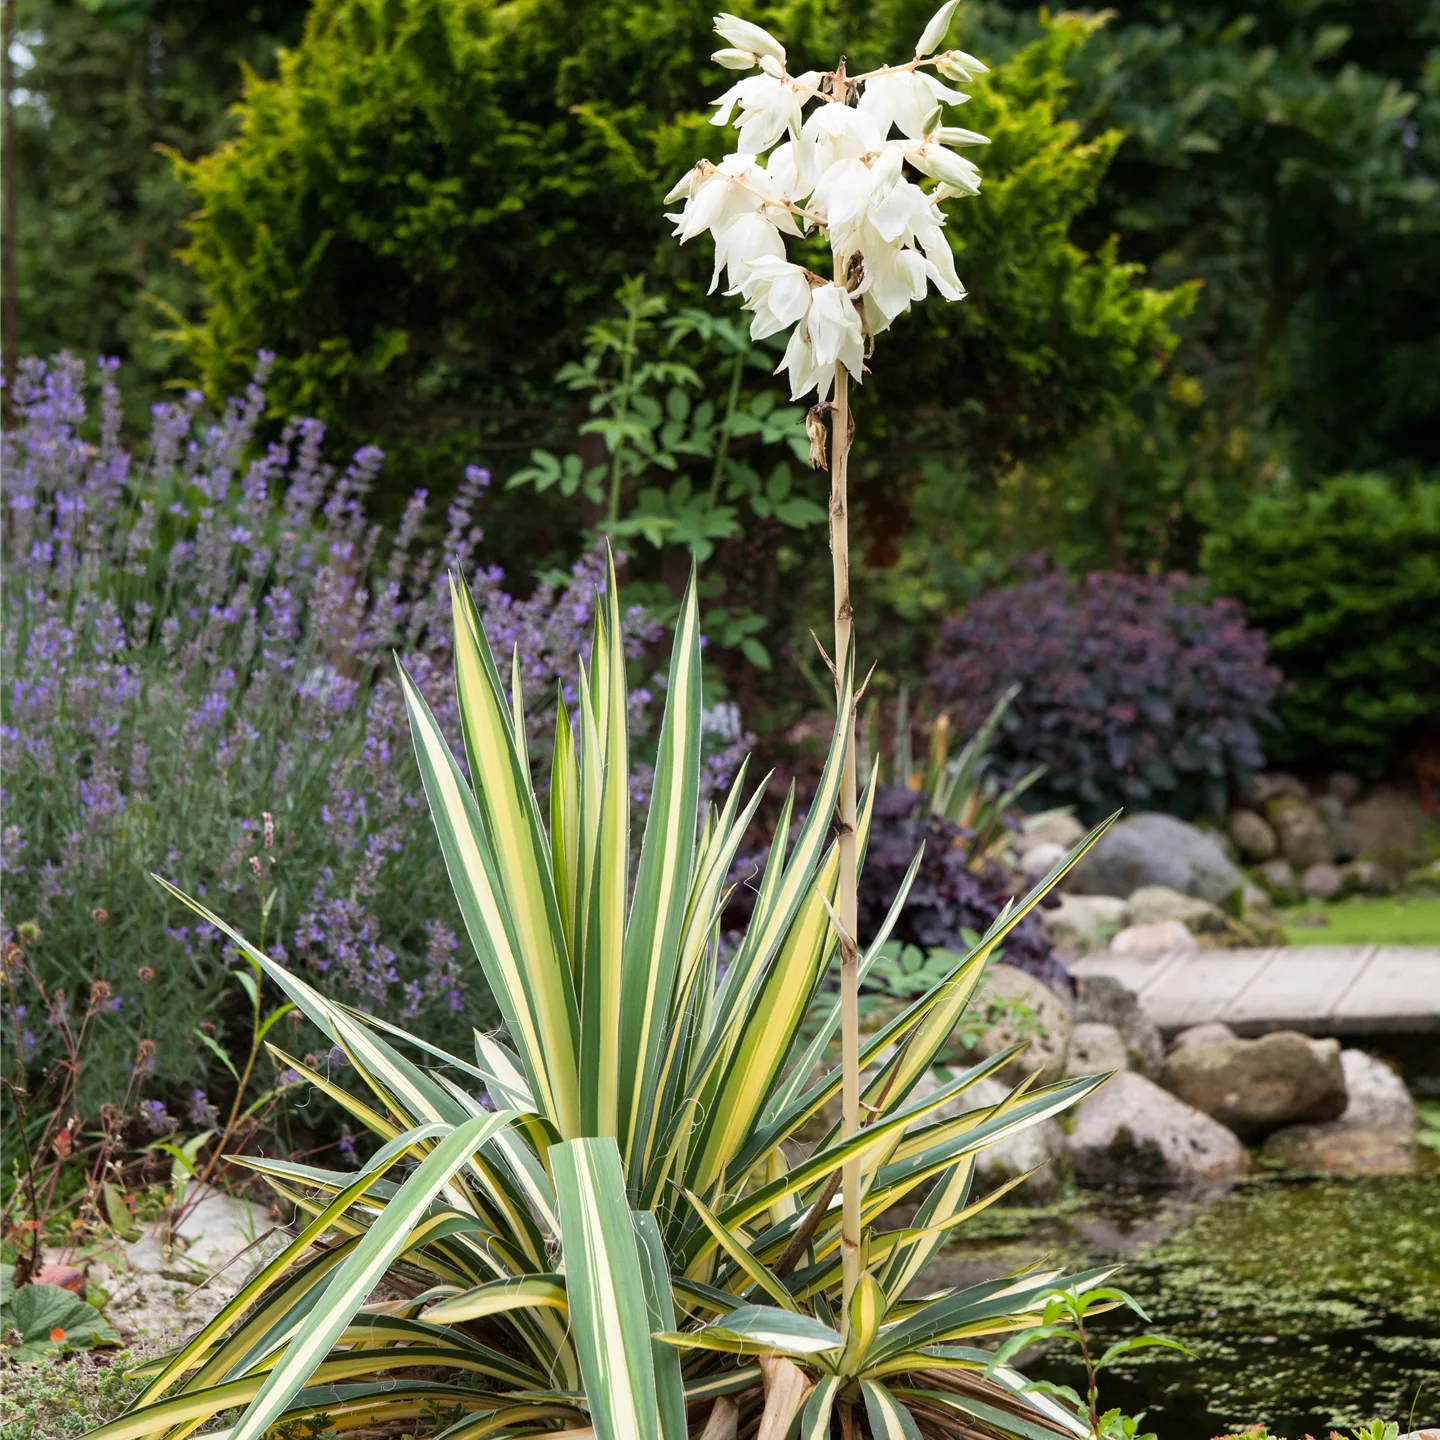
(196, 645)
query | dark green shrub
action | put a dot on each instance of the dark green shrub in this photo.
(431, 202)
(1346, 578)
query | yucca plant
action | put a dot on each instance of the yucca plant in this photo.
(610, 1224)
(642, 1168)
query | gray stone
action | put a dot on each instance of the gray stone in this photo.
(1340, 1150)
(1158, 902)
(1256, 1086)
(1303, 832)
(1063, 830)
(1096, 1049)
(1321, 881)
(1365, 877)
(1041, 859)
(1086, 920)
(1266, 784)
(1253, 836)
(1038, 1147)
(1158, 937)
(1049, 1040)
(1344, 786)
(1378, 1099)
(1132, 1130)
(1255, 900)
(1278, 878)
(220, 1228)
(1104, 1000)
(1332, 807)
(1389, 824)
(1155, 849)
(1211, 1032)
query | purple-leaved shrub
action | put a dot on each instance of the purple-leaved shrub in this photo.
(1136, 690)
(197, 681)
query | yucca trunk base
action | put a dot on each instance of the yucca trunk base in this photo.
(744, 1416)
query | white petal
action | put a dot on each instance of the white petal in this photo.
(682, 187)
(736, 59)
(937, 29)
(745, 36)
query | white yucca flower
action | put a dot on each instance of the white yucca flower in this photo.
(842, 154)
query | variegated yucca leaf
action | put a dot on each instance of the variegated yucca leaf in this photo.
(643, 1218)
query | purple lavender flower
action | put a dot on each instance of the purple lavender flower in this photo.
(155, 1118)
(200, 631)
(200, 1112)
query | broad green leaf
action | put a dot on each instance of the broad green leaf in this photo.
(536, 997)
(760, 1330)
(662, 887)
(815, 1417)
(736, 1250)
(889, 1419)
(606, 752)
(516, 1292)
(660, 1302)
(609, 1314)
(364, 1267)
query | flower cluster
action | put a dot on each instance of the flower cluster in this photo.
(197, 651)
(845, 169)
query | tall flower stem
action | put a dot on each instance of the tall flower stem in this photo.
(847, 907)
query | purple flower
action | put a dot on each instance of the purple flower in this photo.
(155, 1118)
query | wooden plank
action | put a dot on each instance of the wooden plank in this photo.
(1398, 990)
(1136, 972)
(1203, 988)
(1320, 989)
(1298, 988)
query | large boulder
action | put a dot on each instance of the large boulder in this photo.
(1103, 1000)
(1063, 830)
(1159, 902)
(1096, 1049)
(1086, 920)
(1034, 1012)
(1132, 1130)
(1159, 937)
(1039, 1147)
(1155, 849)
(1256, 1086)
(1340, 1150)
(1303, 831)
(1344, 841)
(1253, 836)
(1322, 881)
(1278, 878)
(1208, 1032)
(1378, 1099)
(1389, 824)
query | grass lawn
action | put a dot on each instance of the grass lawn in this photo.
(1365, 920)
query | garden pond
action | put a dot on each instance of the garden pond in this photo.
(1309, 1304)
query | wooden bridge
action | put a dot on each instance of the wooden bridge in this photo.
(1317, 989)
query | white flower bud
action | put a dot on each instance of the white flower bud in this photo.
(736, 59)
(745, 36)
(936, 30)
(954, 135)
(957, 65)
